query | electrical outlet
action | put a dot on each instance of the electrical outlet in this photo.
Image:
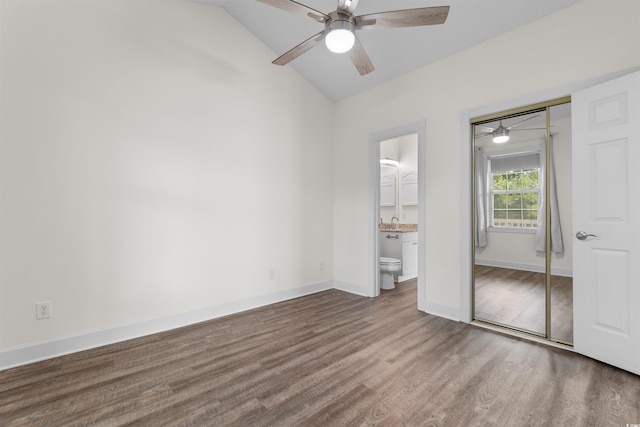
(43, 310)
(321, 265)
(272, 274)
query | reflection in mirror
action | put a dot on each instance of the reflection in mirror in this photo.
(522, 207)
(509, 261)
(562, 262)
(388, 181)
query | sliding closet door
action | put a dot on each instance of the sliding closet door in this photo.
(561, 274)
(509, 266)
(522, 207)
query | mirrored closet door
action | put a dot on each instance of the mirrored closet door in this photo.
(522, 220)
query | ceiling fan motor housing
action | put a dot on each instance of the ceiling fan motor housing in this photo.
(340, 21)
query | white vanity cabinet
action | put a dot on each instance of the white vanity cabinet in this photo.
(409, 256)
(402, 246)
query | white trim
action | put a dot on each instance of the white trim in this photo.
(374, 215)
(465, 172)
(466, 224)
(47, 350)
(352, 288)
(516, 230)
(447, 312)
(422, 215)
(375, 139)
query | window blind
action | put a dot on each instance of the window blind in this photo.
(511, 162)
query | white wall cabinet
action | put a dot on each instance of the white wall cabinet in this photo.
(409, 188)
(388, 190)
(402, 246)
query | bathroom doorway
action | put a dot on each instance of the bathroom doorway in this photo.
(397, 193)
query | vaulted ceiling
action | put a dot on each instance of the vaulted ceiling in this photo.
(393, 52)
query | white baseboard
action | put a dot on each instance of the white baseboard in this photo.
(352, 289)
(409, 277)
(556, 271)
(34, 353)
(442, 311)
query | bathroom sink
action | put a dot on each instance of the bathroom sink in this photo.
(399, 228)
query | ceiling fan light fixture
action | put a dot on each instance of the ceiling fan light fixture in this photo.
(340, 36)
(501, 136)
(340, 41)
(389, 162)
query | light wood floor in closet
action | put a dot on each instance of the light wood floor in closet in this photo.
(329, 359)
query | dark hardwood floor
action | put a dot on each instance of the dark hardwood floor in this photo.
(517, 298)
(329, 359)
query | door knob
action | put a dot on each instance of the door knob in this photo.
(582, 235)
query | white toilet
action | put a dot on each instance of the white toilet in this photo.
(388, 268)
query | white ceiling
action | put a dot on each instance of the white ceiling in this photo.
(394, 52)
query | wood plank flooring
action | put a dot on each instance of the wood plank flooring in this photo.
(329, 359)
(517, 298)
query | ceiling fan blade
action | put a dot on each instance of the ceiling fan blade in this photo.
(522, 121)
(520, 130)
(360, 58)
(303, 47)
(404, 18)
(480, 135)
(485, 129)
(297, 8)
(348, 6)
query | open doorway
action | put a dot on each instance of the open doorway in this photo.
(397, 190)
(398, 242)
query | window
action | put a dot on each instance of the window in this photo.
(514, 190)
(515, 199)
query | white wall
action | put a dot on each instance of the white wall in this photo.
(153, 162)
(582, 42)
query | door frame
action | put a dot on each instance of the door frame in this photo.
(419, 128)
(466, 158)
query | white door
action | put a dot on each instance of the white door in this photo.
(606, 204)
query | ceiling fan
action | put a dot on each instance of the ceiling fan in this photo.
(340, 27)
(500, 134)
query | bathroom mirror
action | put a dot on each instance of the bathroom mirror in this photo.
(399, 180)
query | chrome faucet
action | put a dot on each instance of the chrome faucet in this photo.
(392, 224)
